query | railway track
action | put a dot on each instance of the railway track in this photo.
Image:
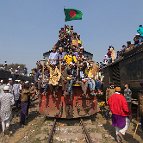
(81, 123)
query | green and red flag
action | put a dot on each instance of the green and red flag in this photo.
(72, 14)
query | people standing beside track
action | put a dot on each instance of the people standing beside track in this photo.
(24, 97)
(110, 91)
(120, 113)
(16, 92)
(10, 84)
(1, 86)
(6, 100)
(128, 95)
(141, 106)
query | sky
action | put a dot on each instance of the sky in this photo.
(28, 28)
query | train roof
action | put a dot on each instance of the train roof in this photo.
(126, 55)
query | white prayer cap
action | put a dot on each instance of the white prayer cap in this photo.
(40, 76)
(1, 80)
(26, 82)
(71, 63)
(6, 87)
(138, 34)
(10, 79)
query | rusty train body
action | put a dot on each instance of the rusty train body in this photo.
(127, 69)
(67, 107)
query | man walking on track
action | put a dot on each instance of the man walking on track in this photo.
(120, 113)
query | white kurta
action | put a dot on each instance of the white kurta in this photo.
(16, 91)
(6, 100)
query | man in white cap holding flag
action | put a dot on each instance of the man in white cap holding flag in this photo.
(6, 100)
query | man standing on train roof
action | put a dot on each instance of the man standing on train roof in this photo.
(6, 101)
(53, 57)
(140, 31)
(120, 113)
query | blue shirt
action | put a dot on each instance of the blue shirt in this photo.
(140, 31)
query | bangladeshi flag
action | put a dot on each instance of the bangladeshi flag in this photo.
(72, 14)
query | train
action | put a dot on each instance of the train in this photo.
(63, 106)
(127, 69)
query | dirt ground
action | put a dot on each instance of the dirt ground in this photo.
(38, 128)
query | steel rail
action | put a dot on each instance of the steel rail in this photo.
(87, 136)
(52, 131)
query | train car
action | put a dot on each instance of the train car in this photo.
(65, 107)
(127, 69)
(4, 75)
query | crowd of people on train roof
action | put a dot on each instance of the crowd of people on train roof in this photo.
(112, 56)
(68, 65)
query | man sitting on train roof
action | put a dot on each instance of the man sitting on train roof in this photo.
(71, 75)
(91, 78)
(83, 77)
(61, 54)
(53, 57)
(70, 58)
(54, 78)
(137, 40)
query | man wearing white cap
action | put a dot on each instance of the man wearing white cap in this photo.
(10, 84)
(6, 100)
(1, 86)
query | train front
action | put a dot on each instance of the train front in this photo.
(66, 78)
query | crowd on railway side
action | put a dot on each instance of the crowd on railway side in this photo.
(119, 102)
(14, 68)
(112, 56)
(68, 65)
(14, 96)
